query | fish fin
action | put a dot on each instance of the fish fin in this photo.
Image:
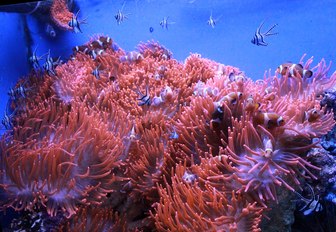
(307, 212)
(300, 65)
(262, 43)
(269, 30)
(258, 29)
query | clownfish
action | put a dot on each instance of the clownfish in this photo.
(250, 104)
(294, 70)
(237, 77)
(269, 120)
(311, 115)
(268, 148)
(232, 98)
(131, 57)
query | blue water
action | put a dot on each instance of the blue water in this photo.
(303, 26)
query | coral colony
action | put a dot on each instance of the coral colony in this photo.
(137, 141)
(156, 144)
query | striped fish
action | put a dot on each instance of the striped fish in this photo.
(294, 70)
(74, 23)
(212, 21)
(259, 37)
(34, 59)
(144, 98)
(310, 205)
(164, 22)
(120, 16)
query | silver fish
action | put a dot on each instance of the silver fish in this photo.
(212, 22)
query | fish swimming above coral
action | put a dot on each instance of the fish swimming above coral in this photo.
(259, 37)
(164, 22)
(212, 21)
(75, 23)
(294, 70)
(121, 16)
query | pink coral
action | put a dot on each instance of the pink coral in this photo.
(208, 150)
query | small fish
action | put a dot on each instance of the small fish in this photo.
(164, 22)
(268, 152)
(212, 22)
(95, 72)
(50, 31)
(22, 91)
(74, 23)
(259, 38)
(81, 48)
(7, 120)
(144, 98)
(101, 43)
(218, 115)
(131, 57)
(120, 16)
(151, 29)
(310, 205)
(232, 98)
(49, 65)
(311, 115)
(12, 93)
(251, 105)
(34, 59)
(269, 120)
(294, 70)
(237, 77)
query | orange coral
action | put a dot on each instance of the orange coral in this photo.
(61, 14)
(165, 145)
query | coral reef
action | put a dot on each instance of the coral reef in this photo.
(137, 141)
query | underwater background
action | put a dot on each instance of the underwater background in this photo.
(304, 27)
(300, 27)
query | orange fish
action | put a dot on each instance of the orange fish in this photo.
(294, 70)
(311, 115)
(250, 104)
(269, 120)
(232, 98)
